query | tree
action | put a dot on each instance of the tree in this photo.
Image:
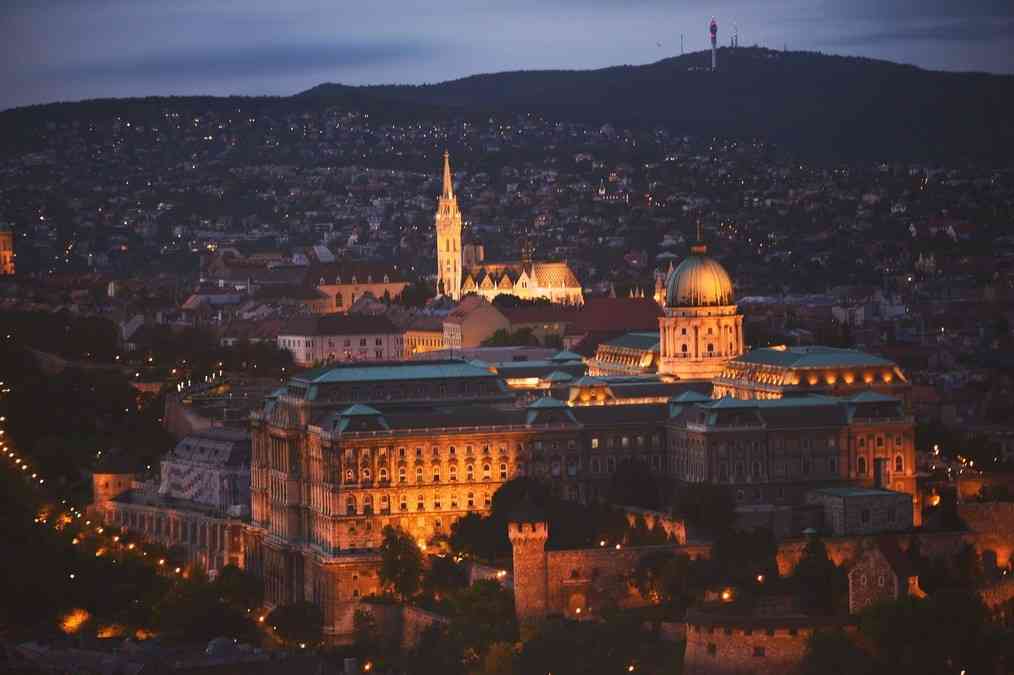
(834, 653)
(814, 577)
(301, 623)
(499, 659)
(707, 507)
(634, 484)
(662, 578)
(238, 588)
(366, 633)
(740, 555)
(401, 562)
(443, 577)
(483, 614)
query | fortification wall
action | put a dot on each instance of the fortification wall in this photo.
(993, 525)
(746, 646)
(398, 624)
(588, 579)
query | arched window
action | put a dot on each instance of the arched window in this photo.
(350, 476)
(503, 472)
(418, 474)
(899, 464)
(486, 472)
(469, 472)
(382, 474)
(350, 506)
(401, 474)
(436, 474)
(385, 504)
(861, 466)
(711, 347)
(453, 473)
(683, 348)
(403, 503)
(368, 504)
(366, 474)
(420, 505)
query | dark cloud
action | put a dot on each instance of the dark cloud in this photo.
(268, 60)
(69, 49)
(946, 31)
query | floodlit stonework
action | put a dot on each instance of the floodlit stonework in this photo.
(702, 329)
(462, 270)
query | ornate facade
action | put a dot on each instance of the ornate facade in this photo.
(462, 269)
(342, 452)
(702, 329)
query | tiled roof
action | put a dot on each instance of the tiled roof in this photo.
(646, 341)
(618, 314)
(340, 324)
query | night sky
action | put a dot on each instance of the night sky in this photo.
(58, 50)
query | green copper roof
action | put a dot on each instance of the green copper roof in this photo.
(423, 370)
(558, 376)
(641, 341)
(690, 397)
(811, 357)
(547, 402)
(566, 356)
(869, 396)
(358, 410)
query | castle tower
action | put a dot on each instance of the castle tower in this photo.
(6, 250)
(528, 539)
(448, 222)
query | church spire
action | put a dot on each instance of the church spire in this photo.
(448, 192)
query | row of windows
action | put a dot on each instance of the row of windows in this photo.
(366, 474)
(453, 501)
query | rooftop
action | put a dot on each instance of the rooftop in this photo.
(811, 357)
(422, 370)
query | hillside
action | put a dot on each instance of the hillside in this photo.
(816, 105)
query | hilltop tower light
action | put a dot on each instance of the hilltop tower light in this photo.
(713, 29)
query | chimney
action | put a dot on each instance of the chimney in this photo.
(880, 473)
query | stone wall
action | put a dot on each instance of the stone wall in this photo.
(588, 579)
(747, 645)
(993, 525)
(398, 624)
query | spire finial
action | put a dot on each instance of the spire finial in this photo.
(448, 183)
(699, 248)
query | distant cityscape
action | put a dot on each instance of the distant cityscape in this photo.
(332, 391)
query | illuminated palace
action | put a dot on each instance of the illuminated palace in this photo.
(462, 270)
(340, 452)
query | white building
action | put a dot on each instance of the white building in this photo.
(342, 337)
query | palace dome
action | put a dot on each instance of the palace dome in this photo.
(699, 281)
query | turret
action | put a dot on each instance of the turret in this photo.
(528, 532)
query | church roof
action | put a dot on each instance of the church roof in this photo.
(554, 275)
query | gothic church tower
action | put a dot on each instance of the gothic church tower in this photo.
(448, 222)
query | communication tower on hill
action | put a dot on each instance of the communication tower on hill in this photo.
(714, 42)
